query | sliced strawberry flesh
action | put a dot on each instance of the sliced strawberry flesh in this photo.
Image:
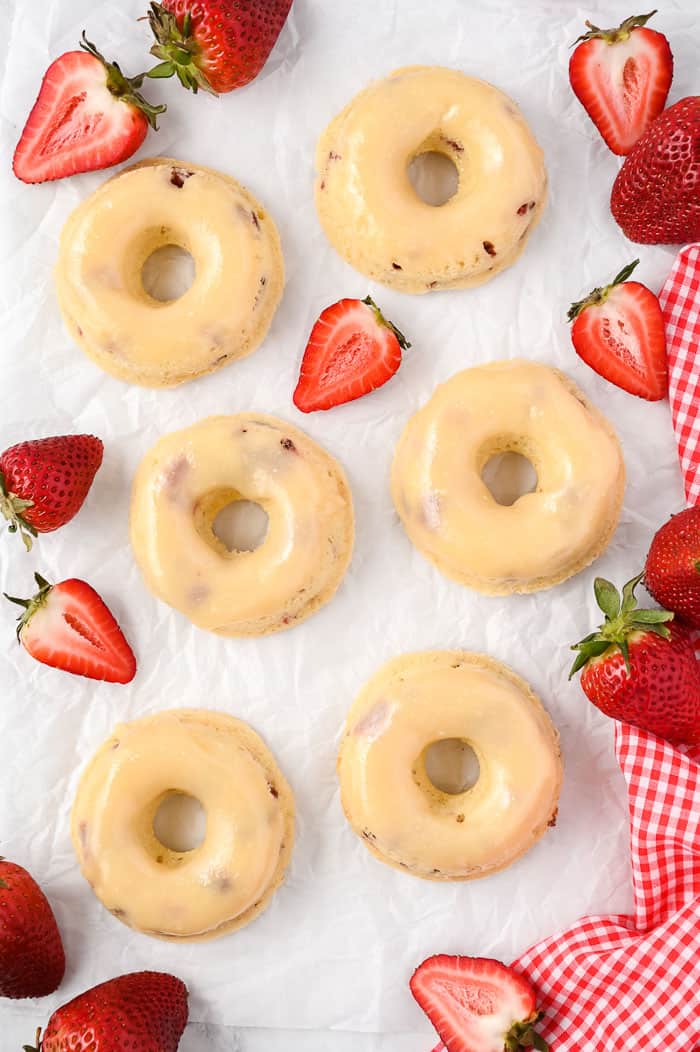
(472, 1002)
(73, 630)
(350, 353)
(624, 340)
(88, 115)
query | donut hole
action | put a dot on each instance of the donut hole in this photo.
(168, 273)
(509, 476)
(434, 177)
(179, 824)
(229, 523)
(241, 526)
(451, 765)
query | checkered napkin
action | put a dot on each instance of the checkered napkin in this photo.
(680, 303)
(632, 984)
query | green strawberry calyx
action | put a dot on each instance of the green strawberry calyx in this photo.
(30, 606)
(13, 507)
(523, 1035)
(622, 618)
(125, 88)
(177, 49)
(36, 1047)
(598, 296)
(616, 35)
(403, 342)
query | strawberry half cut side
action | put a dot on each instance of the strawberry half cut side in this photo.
(477, 1004)
(88, 115)
(619, 331)
(69, 627)
(352, 350)
(44, 482)
(622, 78)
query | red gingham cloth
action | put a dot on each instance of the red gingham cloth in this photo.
(680, 303)
(632, 984)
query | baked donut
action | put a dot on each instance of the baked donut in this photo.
(390, 801)
(225, 314)
(544, 537)
(374, 218)
(189, 476)
(225, 882)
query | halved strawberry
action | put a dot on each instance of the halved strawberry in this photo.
(68, 626)
(352, 350)
(87, 115)
(621, 77)
(477, 1004)
(619, 331)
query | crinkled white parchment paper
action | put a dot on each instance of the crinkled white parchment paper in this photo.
(338, 944)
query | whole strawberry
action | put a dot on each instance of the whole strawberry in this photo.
(672, 571)
(640, 666)
(656, 195)
(217, 45)
(138, 1012)
(43, 483)
(32, 961)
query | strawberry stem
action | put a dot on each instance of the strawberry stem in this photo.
(599, 295)
(403, 342)
(125, 88)
(30, 606)
(37, 1047)
(616, 35)
(523, 1035)
(622, 618)
(12, 507)
(177, 49)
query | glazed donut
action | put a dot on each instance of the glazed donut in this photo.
(190, 475)
(545, 536)
(391, 803)
(225, 314)
(370, 211)
(222, 884)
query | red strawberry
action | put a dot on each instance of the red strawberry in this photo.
(68, 626)
(672, 571)
(217, 45)
(138, 1012)
(621, 77)
(656, 195)
(87, 115)
(351, 350)
(32, 961)
(619, 331)
(43, 483)
(640, 666)
(477, 1004)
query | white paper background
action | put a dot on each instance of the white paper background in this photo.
(338, 944)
